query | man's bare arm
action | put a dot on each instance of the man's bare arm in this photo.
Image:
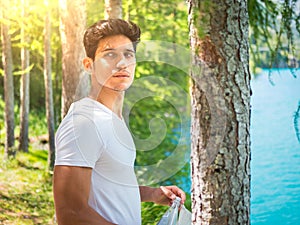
(71, 188)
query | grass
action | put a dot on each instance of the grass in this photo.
(26, 189)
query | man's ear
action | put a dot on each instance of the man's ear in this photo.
(88, 64)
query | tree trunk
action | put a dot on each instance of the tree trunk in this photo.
(24, 87)
(8, 81)
(48, 88)
(113, 9)
(220, 162)
(72, 25)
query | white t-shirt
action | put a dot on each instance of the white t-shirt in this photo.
(91, 135)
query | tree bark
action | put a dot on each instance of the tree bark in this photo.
(24, 87)
(48, 88)
(220, 161)
(72, 25)
(113, 9)
(8, 81)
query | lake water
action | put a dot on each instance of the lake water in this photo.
(275, 159)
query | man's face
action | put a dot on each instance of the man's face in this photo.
(114, 64)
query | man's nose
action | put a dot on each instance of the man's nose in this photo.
(122, 63)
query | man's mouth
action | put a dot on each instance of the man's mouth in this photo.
(121, 74)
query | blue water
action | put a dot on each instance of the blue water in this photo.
(275, 160)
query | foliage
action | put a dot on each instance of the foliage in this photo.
(159, 20)
(151, 213)
(296, 122)
(274, 33)
(37, 126)
(95, 11)
(34, 28)
(25, 189)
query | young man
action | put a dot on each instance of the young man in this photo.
(94, 180)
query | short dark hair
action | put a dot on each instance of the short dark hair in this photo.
(105, 28)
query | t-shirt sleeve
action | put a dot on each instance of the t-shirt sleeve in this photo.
(78, 142)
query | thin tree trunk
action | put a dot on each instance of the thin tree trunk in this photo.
(8, 81)
(220, 91)
(113, 9)
(72, 26)
(48, 88)
(24, 87)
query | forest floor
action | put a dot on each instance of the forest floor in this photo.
(26, 189)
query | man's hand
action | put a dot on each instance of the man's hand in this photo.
(164, 195)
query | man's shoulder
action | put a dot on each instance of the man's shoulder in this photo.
(86, 114)
(79, 125)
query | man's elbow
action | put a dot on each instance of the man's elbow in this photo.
(68, 216)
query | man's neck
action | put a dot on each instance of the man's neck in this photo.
(112, 99)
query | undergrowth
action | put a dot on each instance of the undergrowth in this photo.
(26, 189)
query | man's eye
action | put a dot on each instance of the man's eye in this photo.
(110, 55)
(129, 54)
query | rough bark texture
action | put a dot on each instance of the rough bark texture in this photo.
(24, 89)
(113, 9)
(220, 112)
(72, 26)
(48, 90)
(8, 81)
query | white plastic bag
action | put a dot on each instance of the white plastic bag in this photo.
(171, 215)
(185, 217)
